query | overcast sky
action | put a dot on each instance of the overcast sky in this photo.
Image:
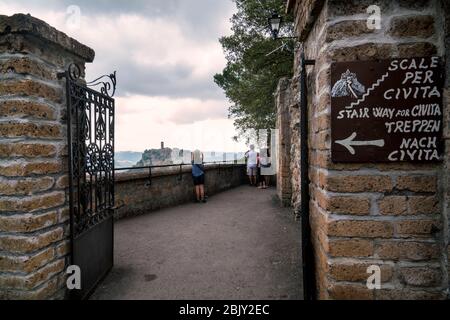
(165, 53)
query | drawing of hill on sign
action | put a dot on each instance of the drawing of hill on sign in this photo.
(348, 85)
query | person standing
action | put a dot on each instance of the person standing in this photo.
(198, 175)
(252, 165)
(264, 163)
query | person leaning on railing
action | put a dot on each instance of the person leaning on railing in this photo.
(252, 165)
(198, 175)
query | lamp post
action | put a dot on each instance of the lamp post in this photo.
(308, 259)
(275, 24)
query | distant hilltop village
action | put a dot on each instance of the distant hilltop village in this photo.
(163, 156)
(167, 156)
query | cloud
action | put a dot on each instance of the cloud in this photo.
(159, 48)
(163, 110)
(165, 53)
(155, 57)
(143, 122)
(195, 111)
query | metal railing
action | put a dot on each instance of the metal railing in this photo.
(177, 165)
(180, 165)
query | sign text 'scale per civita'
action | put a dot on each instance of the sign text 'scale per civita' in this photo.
(387, 111)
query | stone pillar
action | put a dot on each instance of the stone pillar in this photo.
(294, 124)
(391, 215)
(33, 157)
(284, 189)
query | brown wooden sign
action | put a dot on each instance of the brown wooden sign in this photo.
(387, 111)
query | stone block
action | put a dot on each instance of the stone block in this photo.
(343, 30)
(357, 271)
(18, 109)
(421, 26)
(350, 248)
(323, 103)
(30, 88)
(321, 140)
(417, 228)
(62, 182)
(424, 205)
(27, 222)
(359, 183)
(32, 203)
(26, 66)
(26, 263)
(360, 228)
(393, 205)
(63, 249)
(338, 8)
(27, 244)
(418, 49)
(417, 183)
(408, 294)
(321, 123)
(26, 186)
(421, 276)
(339, 291)
(33, 280)
(414, 5)
(19, 169)
(42, 292)
(31, 130)
(349, 205)
(407, 250)
(363, 52)
(27, 150)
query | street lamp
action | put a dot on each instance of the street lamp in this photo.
(275, 24)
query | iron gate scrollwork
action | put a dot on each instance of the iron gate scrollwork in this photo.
(90, 132)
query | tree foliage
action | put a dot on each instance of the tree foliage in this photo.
(255, 63)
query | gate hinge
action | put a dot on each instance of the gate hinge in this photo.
(61, 75)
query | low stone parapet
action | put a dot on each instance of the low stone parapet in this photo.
(137, 192)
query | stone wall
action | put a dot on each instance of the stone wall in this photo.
(33, 162)
(294, 119)
(135, 196)
(284, 184)
(391, 215)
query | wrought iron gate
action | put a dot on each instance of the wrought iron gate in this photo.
(90, 133)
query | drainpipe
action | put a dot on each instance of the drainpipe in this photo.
(308, 261)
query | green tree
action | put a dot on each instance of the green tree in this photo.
(255, 63)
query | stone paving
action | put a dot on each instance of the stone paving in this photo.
(240, 245)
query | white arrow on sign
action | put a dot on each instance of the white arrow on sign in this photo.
(349, 143)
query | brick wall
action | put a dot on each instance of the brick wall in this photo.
(294, 117)
(135, 196)
(391, 215)
(282, 100)
(33, 149)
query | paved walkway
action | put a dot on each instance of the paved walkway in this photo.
(239, 245)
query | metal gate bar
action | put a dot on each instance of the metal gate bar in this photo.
(90, 134)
